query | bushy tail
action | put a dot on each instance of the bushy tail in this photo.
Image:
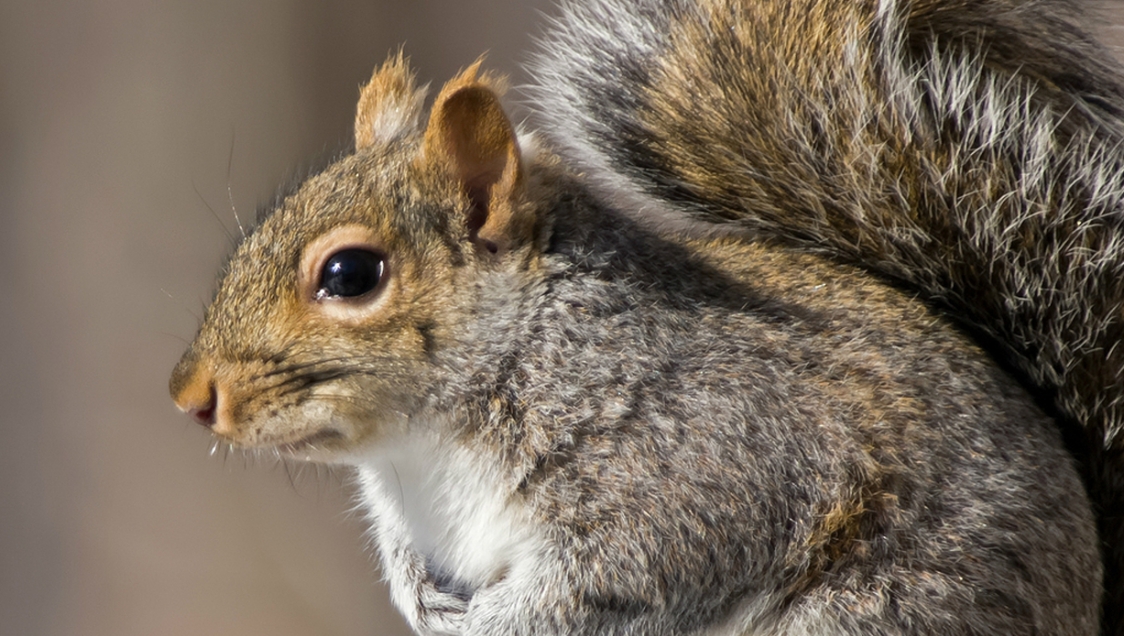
(971, 150)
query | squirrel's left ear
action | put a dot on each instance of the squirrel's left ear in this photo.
(470, 136)
(389, 104)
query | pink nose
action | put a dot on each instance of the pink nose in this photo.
(205, 413)
(199, 399)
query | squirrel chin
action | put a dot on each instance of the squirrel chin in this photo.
(312, 442)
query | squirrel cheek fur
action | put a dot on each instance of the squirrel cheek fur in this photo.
(672, 392)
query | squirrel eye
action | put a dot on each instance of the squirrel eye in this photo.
(350, 273)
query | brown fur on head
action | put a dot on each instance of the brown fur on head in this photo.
(283, 361)
(390, 105)
(471, 136)
(468, 135)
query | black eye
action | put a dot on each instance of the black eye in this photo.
(350, 273)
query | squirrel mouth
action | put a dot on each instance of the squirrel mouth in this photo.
(309, 442)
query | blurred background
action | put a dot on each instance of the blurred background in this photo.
(128, 132)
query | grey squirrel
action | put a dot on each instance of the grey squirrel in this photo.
(774, 326)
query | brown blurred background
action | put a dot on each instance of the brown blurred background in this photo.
(117, 120)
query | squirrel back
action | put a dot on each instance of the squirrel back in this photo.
(969, 151)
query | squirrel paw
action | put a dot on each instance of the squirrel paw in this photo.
(440, 608)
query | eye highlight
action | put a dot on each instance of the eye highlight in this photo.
(350, 273)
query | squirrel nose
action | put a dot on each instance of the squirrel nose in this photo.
(204, 411)
(195, 392)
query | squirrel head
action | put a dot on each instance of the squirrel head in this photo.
(323, 333)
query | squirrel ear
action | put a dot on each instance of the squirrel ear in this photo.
(389, 104)
(469, 135)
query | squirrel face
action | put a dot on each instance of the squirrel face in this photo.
(321, 337)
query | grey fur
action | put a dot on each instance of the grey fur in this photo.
(686, 386)
(970, 151)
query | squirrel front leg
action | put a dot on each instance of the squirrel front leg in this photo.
(428, 607)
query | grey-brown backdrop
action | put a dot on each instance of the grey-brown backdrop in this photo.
(117, 120)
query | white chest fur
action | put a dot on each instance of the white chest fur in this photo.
(448, 504)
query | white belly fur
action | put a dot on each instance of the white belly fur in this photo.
(450, 505)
